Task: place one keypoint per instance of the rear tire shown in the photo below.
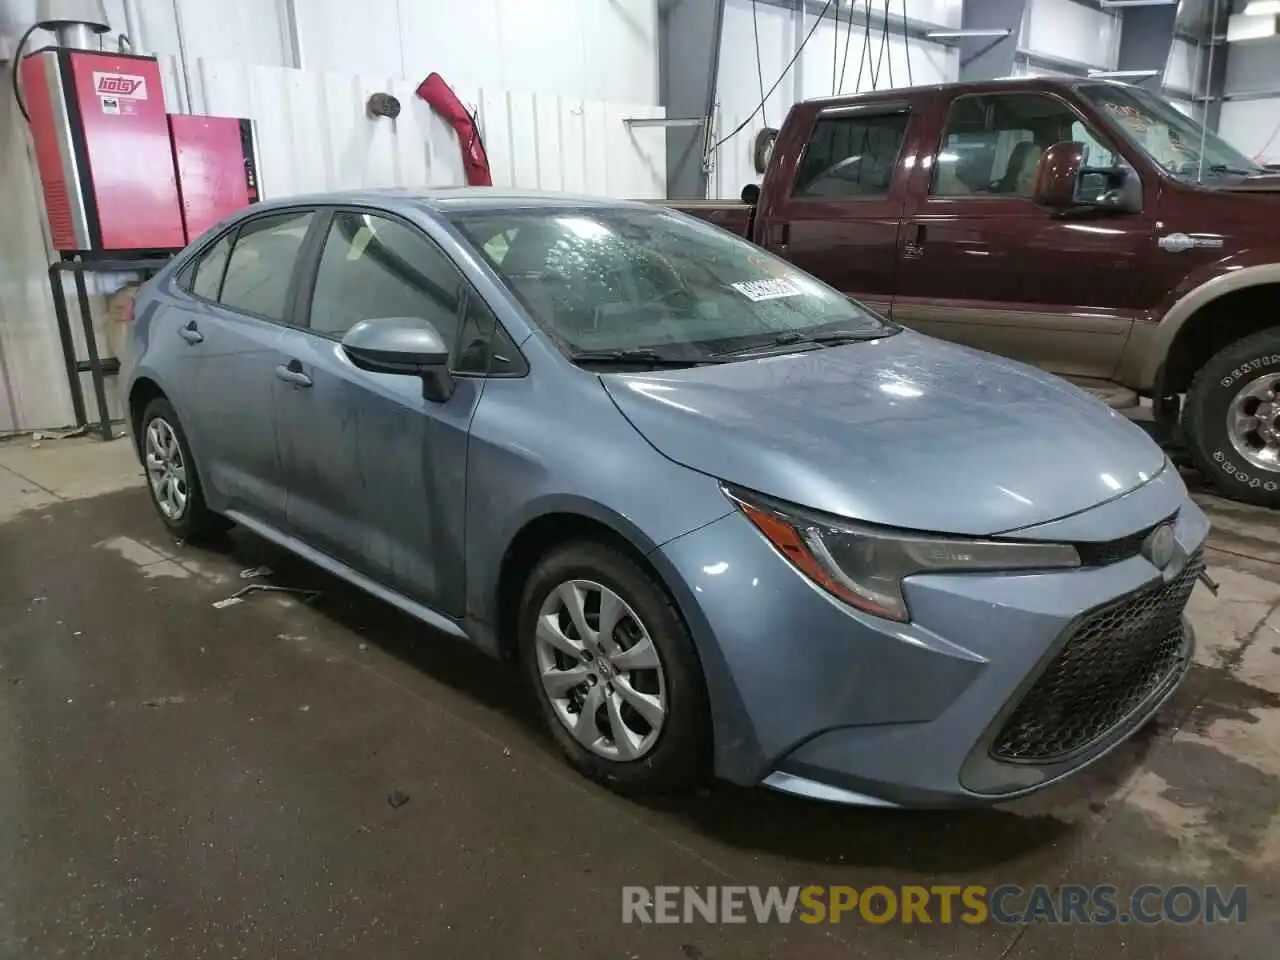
(646, 660)
(172, 479)
(1231, 422)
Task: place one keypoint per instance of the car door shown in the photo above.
(840, 221)
(982, 264)
(240, 291)
(376, 473)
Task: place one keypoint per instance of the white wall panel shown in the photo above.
(1071, 31)
(314, 135)
(1253, 127)
(817, 73)
(1182, 68)
(607, 48)
(1253, 66)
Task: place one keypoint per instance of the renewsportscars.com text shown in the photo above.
(1007, 904)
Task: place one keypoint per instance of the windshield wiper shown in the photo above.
(1237, 171)
(796, 338)
(629, 358)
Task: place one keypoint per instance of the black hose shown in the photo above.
(13, 71)
(777, 83)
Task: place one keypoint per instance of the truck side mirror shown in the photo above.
(1058, 175)
(1063, 182)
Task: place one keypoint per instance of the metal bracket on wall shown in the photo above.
(669, 122)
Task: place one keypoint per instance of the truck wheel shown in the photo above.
(1232, 419)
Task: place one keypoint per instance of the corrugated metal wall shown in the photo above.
(313, 136)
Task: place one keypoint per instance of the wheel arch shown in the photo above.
(1211, 316)
(142, 391)
(559, 521)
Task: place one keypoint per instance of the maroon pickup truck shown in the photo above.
(1083, 226)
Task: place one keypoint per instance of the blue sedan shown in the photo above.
(727, 521)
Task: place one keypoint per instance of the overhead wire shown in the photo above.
(848, 39)
(884, 39)
(755, 29)
(782, 76)
(906, 50)
(865, 59)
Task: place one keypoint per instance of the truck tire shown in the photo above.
(1231, 422)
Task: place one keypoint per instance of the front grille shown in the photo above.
(1114, 660)
(1113, 551)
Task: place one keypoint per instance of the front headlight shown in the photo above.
(864, 566)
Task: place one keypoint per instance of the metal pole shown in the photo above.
(1208, 79)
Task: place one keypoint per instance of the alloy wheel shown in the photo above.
(1253, 422)
(600, 670)
(166, 469)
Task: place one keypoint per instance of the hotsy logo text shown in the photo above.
(120, 85)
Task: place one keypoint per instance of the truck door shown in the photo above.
(840, 218)
(981, 264)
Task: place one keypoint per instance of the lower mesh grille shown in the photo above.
(1114, 660)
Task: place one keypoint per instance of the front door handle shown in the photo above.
(293, 374)
(190, 334)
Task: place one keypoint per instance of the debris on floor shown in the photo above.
(238, 597)
(397, 799)
(253, 573)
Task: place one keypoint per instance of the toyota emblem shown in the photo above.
(1160, 546)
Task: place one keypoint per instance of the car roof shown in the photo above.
(446, 200)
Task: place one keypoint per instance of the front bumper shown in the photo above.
(813, 697)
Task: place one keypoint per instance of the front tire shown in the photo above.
(172, 479)
(1232, 419)
(614, 671)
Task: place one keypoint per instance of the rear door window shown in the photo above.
(851, 156)
(262, 262)
(207, 276)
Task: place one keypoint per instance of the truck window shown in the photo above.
(991, 144)
(851, 156)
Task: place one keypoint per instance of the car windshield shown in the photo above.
(1168, 136)
(629, 280)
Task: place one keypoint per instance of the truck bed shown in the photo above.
(730, 215)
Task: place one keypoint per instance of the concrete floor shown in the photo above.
(184, 781)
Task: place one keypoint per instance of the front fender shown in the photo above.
(1149, 344)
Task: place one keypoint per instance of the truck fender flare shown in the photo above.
(1186, 306)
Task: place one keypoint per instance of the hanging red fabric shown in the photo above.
(446, 103)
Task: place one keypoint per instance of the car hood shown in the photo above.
(904, 431)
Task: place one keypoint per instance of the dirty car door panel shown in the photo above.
(376, 472)
(232, 337)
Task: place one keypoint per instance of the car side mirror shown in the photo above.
(1064, 183)
(402, 345)
(1058, 175)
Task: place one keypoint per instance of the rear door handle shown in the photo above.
(292, 374)
(190, 334)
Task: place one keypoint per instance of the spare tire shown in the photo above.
(762, 149)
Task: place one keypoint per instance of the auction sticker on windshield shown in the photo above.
(758, 290)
